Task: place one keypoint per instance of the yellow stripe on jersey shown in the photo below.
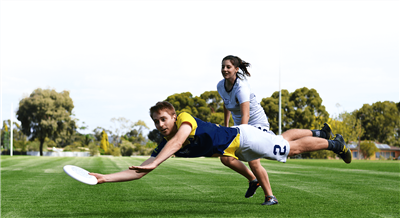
(230, 151)
(185, 117)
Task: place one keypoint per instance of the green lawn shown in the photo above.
(200, 187)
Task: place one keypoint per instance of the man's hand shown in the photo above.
(144, 169)
(100, 177)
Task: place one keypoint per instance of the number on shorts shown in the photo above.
(265, 130)
(278, 147)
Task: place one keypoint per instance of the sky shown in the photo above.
(118, 58)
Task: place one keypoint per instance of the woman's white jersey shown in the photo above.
(240, 93)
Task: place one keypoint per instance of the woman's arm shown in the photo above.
(245, 111)
(227, 116)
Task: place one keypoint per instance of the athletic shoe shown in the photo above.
(253, 185)
(344, 152)
(328, 131)
(270, 200)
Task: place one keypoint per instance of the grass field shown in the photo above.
(200, 187)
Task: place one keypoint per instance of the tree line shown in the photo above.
(47, 121)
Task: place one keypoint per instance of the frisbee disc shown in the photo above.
(80, 174)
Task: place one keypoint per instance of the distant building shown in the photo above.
(385, 151)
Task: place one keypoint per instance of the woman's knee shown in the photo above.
(254, 163)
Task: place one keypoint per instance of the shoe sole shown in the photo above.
(269, 204)
(251, 195)
(346, 154)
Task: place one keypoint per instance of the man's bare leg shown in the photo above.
(302, 140)
(294, 134)
(307, 144)
(238, 166)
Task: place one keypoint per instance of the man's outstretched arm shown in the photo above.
(172, 146)
(123, 176)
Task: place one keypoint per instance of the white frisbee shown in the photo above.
(80, 174)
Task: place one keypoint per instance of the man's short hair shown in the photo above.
(162, 105)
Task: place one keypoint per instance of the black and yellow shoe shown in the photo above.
(344, 152)
(328, 131)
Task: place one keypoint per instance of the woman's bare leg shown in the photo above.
(262, 176)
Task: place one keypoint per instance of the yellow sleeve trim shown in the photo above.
(185, 117)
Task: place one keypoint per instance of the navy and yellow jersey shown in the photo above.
(205, 139)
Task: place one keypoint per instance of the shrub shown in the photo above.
(116, 152)
(93, 149)
(126, 148)
(322, 154)
(35, 146)
(368, 149)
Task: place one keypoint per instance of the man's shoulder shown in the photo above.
(185, 117)
(184, 114)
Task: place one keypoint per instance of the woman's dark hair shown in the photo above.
(237, 62)
(162, 105)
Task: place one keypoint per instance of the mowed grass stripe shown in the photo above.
(200, 187)
(368, 190)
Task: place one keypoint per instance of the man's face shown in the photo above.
(164, 122)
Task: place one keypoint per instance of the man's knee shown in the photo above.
(227, 161)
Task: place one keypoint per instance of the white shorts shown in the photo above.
(255, 144)
(262, 127)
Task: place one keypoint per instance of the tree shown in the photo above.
(271, 109)
(136, 134)
(208, 107)
(381, 122)
(368, 149)
(218, 118)
(98, 131)
(185, 102)
(20, 141)
(309, 111)
(214, 101)
(348, 126)
(121, 126)
(397, 130)
(46, 113)
(322, 154)
(104, 144)
(5, 139)
(93, 149)
(126, 148)
(155, 136)
(216, 105)
(301, 109)
(87, 139)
